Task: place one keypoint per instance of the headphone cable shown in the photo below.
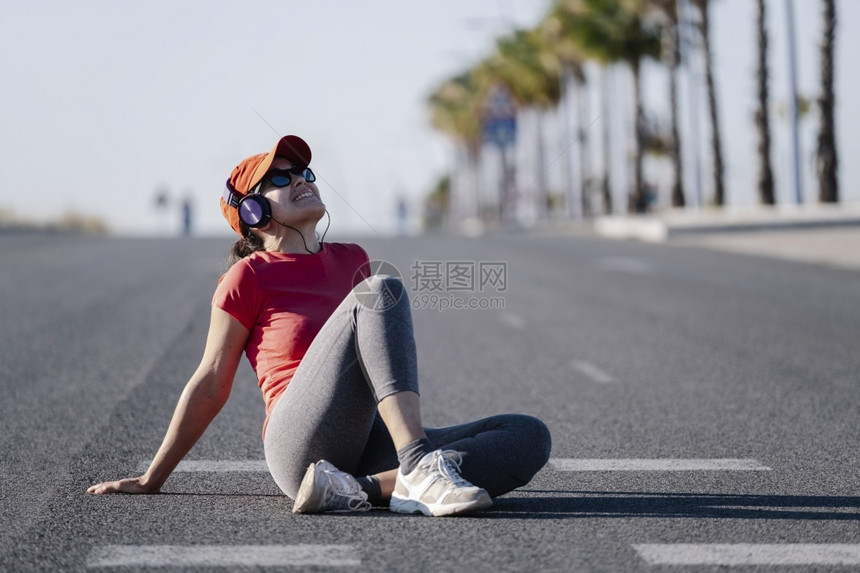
(303, 237)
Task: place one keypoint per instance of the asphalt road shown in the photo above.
(627, 351)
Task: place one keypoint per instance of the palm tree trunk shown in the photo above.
(636, 200)
(506, 207)
(670, 58)
(716, 144)
(475, 194)
(606, 188)
(542, 190)
(765, 180)
(456, 204)
(582, 133)
(826, 157)
(566, 137)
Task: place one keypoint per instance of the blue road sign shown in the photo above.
(500, 131)
(499, 117)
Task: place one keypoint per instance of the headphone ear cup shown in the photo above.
(255, 211)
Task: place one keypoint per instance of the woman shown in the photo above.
(334, 353)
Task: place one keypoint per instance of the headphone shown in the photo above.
(254, 210)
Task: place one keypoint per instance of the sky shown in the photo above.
(106, 102)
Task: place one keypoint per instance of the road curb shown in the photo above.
(664, 226)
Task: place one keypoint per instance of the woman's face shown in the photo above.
(295, 203)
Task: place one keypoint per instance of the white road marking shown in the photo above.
(559, 464)
(749, 554)
(223, 556)
(624, 265)
(591, 371)
(512, 319)
(216, 466)
(645, 465)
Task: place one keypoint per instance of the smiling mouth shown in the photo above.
(304, 195)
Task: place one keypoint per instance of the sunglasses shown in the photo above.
(283, 177)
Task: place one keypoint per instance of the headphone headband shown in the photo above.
(230, 195)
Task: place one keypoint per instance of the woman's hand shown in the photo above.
(128, 485)
(201, 400)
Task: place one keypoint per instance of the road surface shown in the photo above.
(703, 407)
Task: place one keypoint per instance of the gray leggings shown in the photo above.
(363, 353)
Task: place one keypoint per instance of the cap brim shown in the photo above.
(291, 147)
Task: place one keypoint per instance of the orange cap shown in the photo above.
(251, 170)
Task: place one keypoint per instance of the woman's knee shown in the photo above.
(384, 284)
(288, 482)
(533, 444)
(280, 460)
(381, 292)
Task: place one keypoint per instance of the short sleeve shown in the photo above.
(237, 294)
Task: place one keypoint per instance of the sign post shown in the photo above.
(499, 126)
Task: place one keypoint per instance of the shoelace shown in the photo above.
(449, 467)
(341, 487)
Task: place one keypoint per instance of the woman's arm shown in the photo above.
(204, 396)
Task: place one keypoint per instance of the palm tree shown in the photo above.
(524, 64)
(671, 58)
(609, 31)
(437, 205)
(571, 63)
(716, 144)
(574, 24)
(455, 110)
(826, 157)
(606, 184)
(665, 12)
(765, 180)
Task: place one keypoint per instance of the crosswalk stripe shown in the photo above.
(223, 556)
(216, 466)
(667, 464)
(558, 464)
(749, 554)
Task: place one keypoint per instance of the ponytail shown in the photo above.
(249, 243)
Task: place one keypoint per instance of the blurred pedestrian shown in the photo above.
(161, 203)
(187, 216)
(402, 216)
(333, 348)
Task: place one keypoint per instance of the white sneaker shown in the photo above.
(326, 488)
(435, 487)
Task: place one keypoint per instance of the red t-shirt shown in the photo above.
(284, 300)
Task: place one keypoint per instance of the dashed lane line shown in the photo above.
(749, 554)
(592, 372)
(218, 466)
(624, 265)
(666, 464)
(512, 319)
(224, 556)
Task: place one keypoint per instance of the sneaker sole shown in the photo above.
(411, 506)
(304, 502)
